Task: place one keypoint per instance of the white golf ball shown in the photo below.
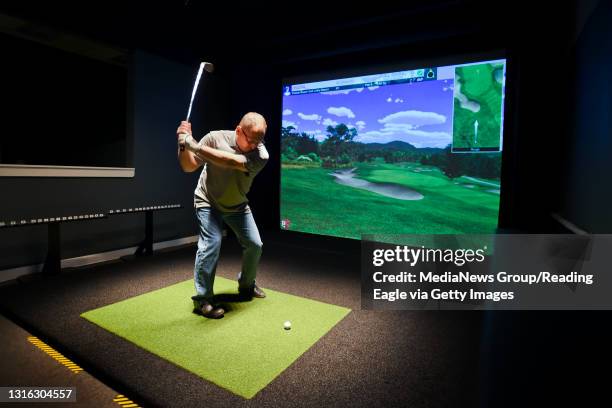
(287, 325)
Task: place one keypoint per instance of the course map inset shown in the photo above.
(478, 108)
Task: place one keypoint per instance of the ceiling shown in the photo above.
(242, 30)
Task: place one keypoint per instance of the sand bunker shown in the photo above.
(347, 178)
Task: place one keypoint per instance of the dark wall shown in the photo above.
(160, 91)
(588, 161)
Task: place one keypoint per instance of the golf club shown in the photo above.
(204, 66)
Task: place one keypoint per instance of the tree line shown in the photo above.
(339, 149)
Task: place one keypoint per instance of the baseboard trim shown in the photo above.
(14, 273)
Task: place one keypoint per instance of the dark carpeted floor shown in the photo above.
(371, 358)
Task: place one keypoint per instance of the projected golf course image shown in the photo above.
(313, 201)
(382, 160)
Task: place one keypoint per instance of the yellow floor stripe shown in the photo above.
(50, 351)
(120, 399)
(125, 402)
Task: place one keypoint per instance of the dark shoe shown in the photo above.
(256, 292)
(205, 309)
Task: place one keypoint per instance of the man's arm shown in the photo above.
(196, 153)
(216, 157)
(187, 160)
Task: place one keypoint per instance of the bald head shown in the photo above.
(254, 124)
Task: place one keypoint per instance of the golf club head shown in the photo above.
(209, 67)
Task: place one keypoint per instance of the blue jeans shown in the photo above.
(211, 221)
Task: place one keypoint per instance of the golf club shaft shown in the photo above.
(193, 92)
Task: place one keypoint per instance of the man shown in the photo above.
(231, 160)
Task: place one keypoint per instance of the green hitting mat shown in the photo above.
(242, 352)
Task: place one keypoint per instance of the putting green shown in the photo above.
(242, 352)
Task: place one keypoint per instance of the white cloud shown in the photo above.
(398, 127)
(287, 123)
(287, 112)
(360, 124)
(404, 126)
(313, 116)
(399, 100)
(414, 118)
(329, 122)
(340, 111)
(372, 88)
(389, 99)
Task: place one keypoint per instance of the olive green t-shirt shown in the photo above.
(223, 188)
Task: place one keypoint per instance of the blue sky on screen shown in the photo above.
(419, 113)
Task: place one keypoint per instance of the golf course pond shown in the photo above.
(347, 178)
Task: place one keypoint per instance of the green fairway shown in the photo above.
(242, 352)
(478, 106)
(314, 202)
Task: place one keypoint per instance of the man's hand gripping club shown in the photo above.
(185, 140)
